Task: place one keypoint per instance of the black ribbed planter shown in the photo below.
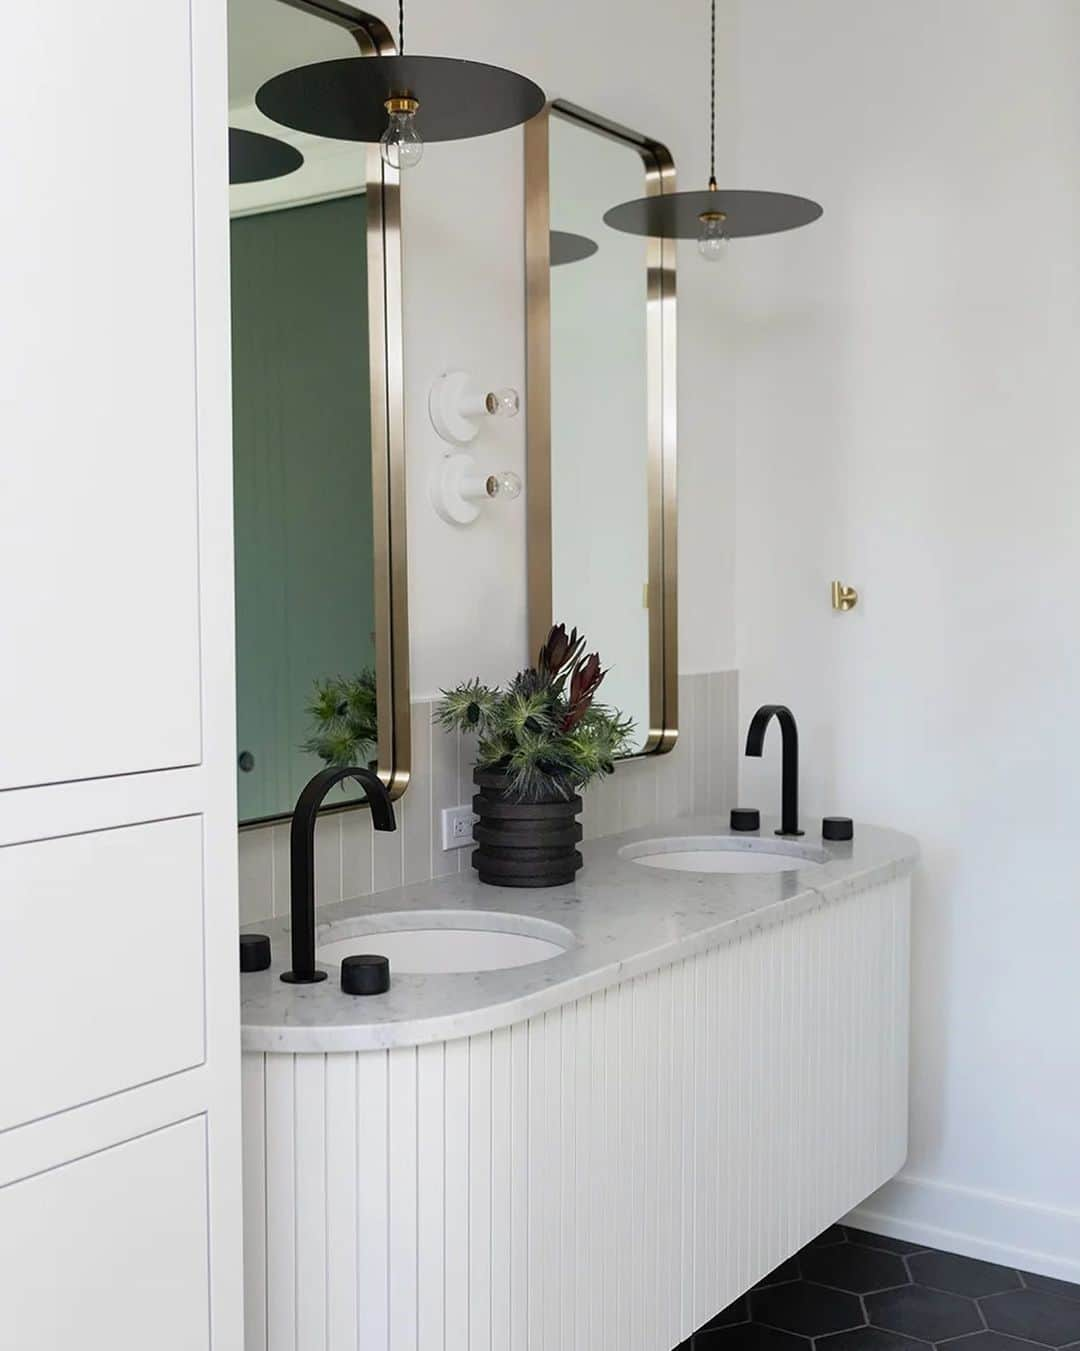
(523, 844)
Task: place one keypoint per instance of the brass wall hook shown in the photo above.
(844, 598)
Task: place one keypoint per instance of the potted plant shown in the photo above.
(344, 715)
(541, 741)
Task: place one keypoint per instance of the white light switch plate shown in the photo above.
(457, 826)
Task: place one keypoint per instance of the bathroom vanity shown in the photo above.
(587, 1116)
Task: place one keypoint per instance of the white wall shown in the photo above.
(465, 306)
(906, 419)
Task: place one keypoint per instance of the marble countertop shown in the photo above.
(621, 920)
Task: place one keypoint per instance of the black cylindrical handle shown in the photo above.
(254, 952)
(745, 818)
(837, 828)
(363, 974)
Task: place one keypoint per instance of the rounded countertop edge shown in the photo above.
(268, 1028)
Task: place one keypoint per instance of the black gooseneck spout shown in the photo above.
(755, 741)
(302, 851)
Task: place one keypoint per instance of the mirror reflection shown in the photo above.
(305, 610)
(599, 410)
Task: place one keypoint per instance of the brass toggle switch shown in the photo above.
(844, 598)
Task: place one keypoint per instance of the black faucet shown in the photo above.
(789, 790)
(302, 853)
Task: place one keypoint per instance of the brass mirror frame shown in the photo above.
(383, 207)
(659, 167)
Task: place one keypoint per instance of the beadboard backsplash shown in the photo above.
(353, 860)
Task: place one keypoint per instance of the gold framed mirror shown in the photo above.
(601, 352)
(319, 453)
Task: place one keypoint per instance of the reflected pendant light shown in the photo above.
(253, 157)
(570, 248)
(400, 101)
(713, 216)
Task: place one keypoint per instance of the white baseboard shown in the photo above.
(976, 1224)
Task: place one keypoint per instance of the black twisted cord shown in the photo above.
(712, 98)
(401, 27)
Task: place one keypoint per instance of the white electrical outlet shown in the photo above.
(457, 824)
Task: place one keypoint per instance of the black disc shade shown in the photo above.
(678, 214)
(254, 157)
(345, 99)
(570, 248)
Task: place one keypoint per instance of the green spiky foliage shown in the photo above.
(471, 706)
(344, 714)
(545, 730)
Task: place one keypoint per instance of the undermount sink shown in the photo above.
(423, 943)
(724, 854)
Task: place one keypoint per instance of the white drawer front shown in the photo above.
(109, 1253)
(101, 964)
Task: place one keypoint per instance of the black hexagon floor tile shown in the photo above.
(926, 1315)
(961, 1275)
(868, 1240)
(851, 1267)
(834, 1234)
(1051, 1285)
(786, 1271)
(819, 1301)
(1035, 1315)
(869, 1339)
(736, 1312)
(988, 1341)
(805, 1308)
(749, 1337)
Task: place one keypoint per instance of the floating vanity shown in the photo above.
(584, 1117)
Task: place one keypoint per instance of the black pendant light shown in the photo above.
(400, 101)
(713, 216)
(567, 247)
(253, 157)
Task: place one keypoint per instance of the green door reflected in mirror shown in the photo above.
(303, 494)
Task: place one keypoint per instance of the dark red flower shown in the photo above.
(583, 686)
(559, 651)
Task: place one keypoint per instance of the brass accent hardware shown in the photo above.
(712, 215)
(844, 598)
(401, 103)
(660, 402)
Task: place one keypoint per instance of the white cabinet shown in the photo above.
(111, 1250)
(103, 953)
(119, 1023)
(99, 565)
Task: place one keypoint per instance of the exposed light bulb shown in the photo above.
(400, 144)
(502, 402)
(712, 241)
(506, 485)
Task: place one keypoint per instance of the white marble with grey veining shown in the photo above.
(624, 920)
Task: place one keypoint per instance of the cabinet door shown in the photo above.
(119, 1008)
(98, 490)
(111, 1251)
(107, 927)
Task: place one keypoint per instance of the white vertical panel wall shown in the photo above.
(120, 1211)
(606, 1175)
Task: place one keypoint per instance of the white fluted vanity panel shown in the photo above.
(606, 1174)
